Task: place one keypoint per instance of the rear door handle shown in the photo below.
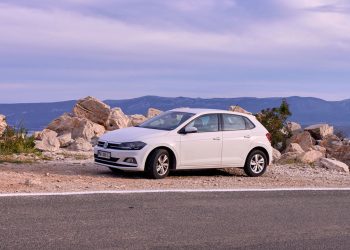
(247, 136)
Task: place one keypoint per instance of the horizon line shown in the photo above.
(174, 97)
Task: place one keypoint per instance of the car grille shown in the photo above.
(110, 162)
(110, 145)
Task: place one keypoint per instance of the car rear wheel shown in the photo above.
(256, 163)
(158, 164)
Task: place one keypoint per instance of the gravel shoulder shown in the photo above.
(83, 175)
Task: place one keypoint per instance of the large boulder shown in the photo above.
(92, 109)
(239, 109)
(3, 124)
(49, 141)
(294, 127)
(65, 140)
(80, 145)
(117, 119)
(294, 148)
(320, 131)
(334, 164)
(289, 158)
(77, 127)
(311, 156)
(340, 153)
(152, 112)
(304, 139)
(136, 120)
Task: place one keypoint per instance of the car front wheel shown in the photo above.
(256, 163)
(158, 164)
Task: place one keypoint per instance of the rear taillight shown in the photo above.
(269, 137)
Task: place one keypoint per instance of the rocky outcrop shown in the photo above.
(304, 139)
(92, 109)
(239, 109)
(3, 124)
(320, 131)
(334, 165)
(117, 120)
(152, 112)
(48, 141)
(90, 118)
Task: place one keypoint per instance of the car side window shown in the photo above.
(206, 123)
(248, 123)
(233, 122)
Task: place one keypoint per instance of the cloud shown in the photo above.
(135, 41)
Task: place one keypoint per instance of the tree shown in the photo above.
(275, 121)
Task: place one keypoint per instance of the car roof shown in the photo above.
(199, 111)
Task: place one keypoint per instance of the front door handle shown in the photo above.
(217, 139)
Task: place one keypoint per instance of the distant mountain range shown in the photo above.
(306, 110)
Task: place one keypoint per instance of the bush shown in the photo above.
(275, 121)
(16, 141)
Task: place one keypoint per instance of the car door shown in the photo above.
(236, 140)
(203, 148)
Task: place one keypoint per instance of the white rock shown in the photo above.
(334, 164)
(49, 141)
(239, 110)
(276, 155)
(152, 112)
(136, 120)
(65, 140)
(80, 144)
(304, 139)
(3, 124)
(92, 109)
(320, 131)
(311, 156)
(117, 119)
(294, 148)
(294, 127)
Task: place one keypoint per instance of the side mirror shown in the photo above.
(191, 130)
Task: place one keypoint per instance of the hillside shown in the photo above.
(306, 110)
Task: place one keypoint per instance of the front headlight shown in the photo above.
(137, 145)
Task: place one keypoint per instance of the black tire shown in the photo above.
(155, 167)
(255, 157)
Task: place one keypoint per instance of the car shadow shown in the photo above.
(178, 173)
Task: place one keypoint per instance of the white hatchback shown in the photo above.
(188, 139)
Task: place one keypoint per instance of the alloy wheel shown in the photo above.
(162, 164)
(257, 163)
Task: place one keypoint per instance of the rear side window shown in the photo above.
(236, 122)
(248, 123)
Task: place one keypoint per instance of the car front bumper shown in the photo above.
(119, 157)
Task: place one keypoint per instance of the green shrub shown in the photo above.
(275, 121)
(16, 140)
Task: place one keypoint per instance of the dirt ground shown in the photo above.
(80, 175)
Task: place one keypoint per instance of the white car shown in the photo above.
(188, 139)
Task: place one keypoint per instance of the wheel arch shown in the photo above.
(173, 159)
(261, 149)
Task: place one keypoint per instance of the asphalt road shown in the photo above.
(242, 220)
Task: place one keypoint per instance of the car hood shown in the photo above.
(132, 134)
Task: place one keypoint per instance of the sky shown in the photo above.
(116, 49)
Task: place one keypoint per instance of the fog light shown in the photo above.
(130, 160)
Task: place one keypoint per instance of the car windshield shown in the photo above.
(167, 121)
